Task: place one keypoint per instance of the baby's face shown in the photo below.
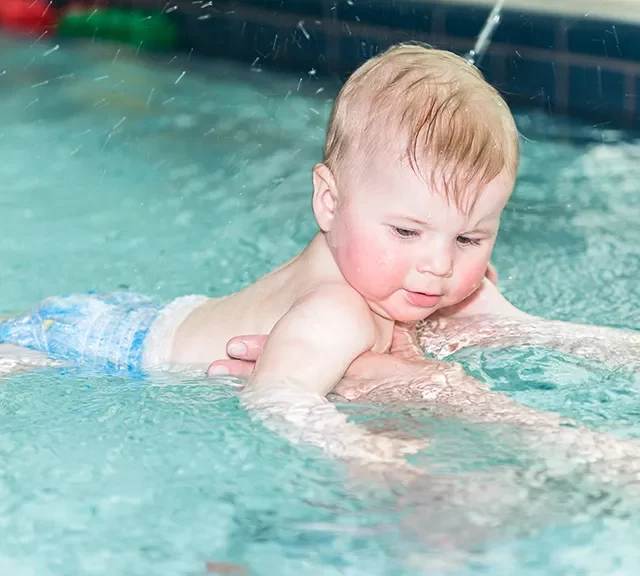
(406, 249)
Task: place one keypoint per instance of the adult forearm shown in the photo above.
(616, 347)
(445, 390)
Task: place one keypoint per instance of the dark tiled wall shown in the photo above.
(566, 65)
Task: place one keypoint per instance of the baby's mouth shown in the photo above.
(422, 299)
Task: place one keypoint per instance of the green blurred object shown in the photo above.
(112, 25)
(77, 24)
(150, 31)
(153, 32)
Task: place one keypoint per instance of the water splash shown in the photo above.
(475, 55)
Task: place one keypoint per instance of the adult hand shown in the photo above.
(367, 372)
(244, 351)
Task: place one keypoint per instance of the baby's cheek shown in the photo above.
(356, 258)
(375, 267)
(467, 280)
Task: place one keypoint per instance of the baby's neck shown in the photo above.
(317, 261)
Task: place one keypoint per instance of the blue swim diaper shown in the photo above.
(104, 331)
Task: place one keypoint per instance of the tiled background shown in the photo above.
(566, 64)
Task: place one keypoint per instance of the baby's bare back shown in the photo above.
(202, 338)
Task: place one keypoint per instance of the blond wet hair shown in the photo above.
(454, 129)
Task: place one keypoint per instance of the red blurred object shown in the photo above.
(27, 16)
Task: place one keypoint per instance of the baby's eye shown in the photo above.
(404, 232)
(466, 241)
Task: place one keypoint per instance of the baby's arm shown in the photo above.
(312, 346)
(305, 356)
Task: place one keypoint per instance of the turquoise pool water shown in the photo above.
(167, 177)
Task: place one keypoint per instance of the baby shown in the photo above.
(420, 159)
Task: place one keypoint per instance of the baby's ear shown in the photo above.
(325, 196)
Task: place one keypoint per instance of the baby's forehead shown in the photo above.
(397, 186)
(394, 166)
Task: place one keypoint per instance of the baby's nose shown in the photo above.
(437, 262)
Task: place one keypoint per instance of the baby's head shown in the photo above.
(420, 159)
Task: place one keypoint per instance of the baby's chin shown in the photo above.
(413, 318)
(409, 316)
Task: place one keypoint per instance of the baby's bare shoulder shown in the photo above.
(334, 295)
(337, 307)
